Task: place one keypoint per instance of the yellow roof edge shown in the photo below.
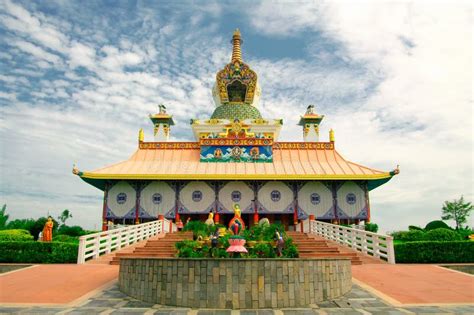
(235, 177)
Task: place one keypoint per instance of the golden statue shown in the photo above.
(236, 225)
(48, 230)
(210, 220)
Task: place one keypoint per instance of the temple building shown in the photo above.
(236, 158)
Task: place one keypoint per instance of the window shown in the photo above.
(156, 198)
(197, 196)
(351, 198)
(315, 199)
(121, 198)
(275, 195)
(236, 196)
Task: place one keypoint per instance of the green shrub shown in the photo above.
(38, 252)
(415, 228)
(435, 252)
(464, 233)
(66, 239)
(436, 225)
(23, 224)
(290, 250)
(442, 234)
(408, 236)
(371, 227)
(15, 235)
(71, 230)
(262, 250)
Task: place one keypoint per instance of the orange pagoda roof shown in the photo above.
(181, 161)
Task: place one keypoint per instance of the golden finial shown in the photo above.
(141, 136)
(331, 135)
(236, 41)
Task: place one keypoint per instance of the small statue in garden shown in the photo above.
(210, 220)
(215, 239)
(48, 230)
(236, 224)
(280, 243)
(264, 222)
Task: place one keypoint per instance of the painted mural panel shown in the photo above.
(121, 199)
(157, 198)
(316, 198)
(197, 196)
(351, 200)
(275, 197)
(230, 153)
(236, 192)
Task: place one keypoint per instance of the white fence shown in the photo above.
(377, 245)
(94, 245)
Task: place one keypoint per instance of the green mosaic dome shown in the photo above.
(236, 111)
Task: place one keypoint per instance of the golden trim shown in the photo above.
(237, 176)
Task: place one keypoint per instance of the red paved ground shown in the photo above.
(54, 284)
(417, 284)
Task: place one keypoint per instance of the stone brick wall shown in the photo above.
(234, 283)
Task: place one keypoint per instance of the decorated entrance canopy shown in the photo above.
(237, 144)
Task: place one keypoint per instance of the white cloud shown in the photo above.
(37, 52)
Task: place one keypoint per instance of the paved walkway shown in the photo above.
(358, 301)
(416, 284)
(54, 284)
(378, 289)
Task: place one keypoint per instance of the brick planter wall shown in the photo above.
(234, 283)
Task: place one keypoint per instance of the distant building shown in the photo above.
(236, 158)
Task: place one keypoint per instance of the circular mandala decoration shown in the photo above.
(315, 198)
(266, 142)
(236, 196)
(275, 195)
(197, 195)
(351, 198)
(156, 198)
(121, 198)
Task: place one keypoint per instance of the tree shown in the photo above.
(3, 217)
(66, 214)
(457, 210)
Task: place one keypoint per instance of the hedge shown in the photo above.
(17, 235)
(435, 252)
(38, 252)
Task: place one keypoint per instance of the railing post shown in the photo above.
(390, 250)
(97, 246)
(82, 250)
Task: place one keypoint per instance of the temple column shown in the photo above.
(216, 203)
(137, 205)
(176, 203)
(334, 196)
(104, 208)
(367, 202)
(295, 200)
(255, 207)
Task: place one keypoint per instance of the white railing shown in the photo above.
(91, 246)
(373, 244)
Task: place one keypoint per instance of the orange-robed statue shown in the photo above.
(48, 230)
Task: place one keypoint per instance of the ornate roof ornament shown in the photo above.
(236, 83)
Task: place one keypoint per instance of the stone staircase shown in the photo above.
(313, 246)
(155, 247)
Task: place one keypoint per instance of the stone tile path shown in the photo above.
(358, 301)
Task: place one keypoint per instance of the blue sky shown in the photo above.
(78, 79)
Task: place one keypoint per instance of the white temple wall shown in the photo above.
(345, 198)
(315, 198)
(121, 198)
(271, 189)
(231, 190)
(189, 194)
(157, 198)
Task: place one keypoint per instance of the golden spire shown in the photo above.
(236, 41)
(331, 135)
